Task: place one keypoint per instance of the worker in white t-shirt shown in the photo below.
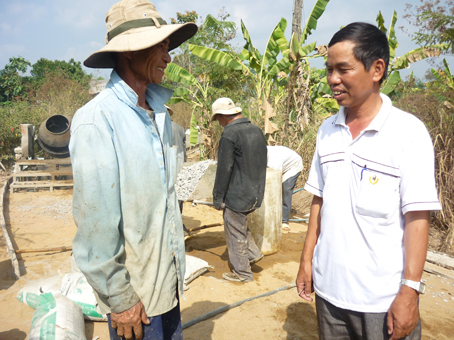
(290, 163)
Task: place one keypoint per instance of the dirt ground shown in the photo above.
(43, 219)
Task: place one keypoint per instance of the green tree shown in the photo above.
(71, 68)
(11, 79)
(434, 21)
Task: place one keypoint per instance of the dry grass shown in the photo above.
(434, 107)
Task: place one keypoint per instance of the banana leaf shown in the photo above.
(294, 48)
(417, 55)
(391, 83)
(435, 74)
(194, 131)
(180, 92)
(325, 106)
(180, 75)
(274, 44)
(381, 22)
(392, 39)
(175, 100)
(305, 50)
(218, 57)
(279, 36)
(316, 13)
(254, 56)
(447, 69)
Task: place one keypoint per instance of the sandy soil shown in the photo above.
(43, 219)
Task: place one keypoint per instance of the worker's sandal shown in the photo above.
(251, 262)
(235, 277)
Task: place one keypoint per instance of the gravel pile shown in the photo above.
(189, 177)
(58, 209)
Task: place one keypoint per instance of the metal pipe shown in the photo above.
(233, 305)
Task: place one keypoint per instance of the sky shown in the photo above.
(63, 29)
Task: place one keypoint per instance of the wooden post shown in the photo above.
(297, 15)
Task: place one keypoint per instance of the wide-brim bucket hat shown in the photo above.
(134, 25)
(224, 106)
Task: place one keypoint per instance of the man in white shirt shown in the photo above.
(290, 163)
(373, 182)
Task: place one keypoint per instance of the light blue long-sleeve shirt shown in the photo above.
(129, 242)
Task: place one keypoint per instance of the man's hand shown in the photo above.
(403, 315)
(304, 283)
(222, 207)
(130, 321)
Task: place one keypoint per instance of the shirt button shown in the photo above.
(160, 163)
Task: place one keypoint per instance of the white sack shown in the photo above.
(194, 268)
(57, 318)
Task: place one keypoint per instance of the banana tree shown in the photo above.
(404, 61)
(269, 75)
(195, 92)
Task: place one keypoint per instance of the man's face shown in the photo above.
(149, 64)
(222, 119)
(351, 84)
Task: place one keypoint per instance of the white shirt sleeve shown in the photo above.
(417, 187)
(315, 183)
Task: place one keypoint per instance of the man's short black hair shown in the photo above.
(371, 44)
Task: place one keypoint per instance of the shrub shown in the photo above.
(58, 94)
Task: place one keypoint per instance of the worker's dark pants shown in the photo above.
(166, 326)
(240, 243)
(287, 192)
(180, 204)
(335, 323)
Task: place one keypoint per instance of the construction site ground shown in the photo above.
(43, 219)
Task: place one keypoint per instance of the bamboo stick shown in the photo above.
(206, 226)
(43, 250)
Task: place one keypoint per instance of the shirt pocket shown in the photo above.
(378, 189)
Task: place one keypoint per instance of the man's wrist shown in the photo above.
(417, 286)
(123, 301)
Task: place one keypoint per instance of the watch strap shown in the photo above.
(418, 286)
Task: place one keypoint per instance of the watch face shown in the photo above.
(422, 288)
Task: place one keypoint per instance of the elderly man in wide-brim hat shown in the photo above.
(129, 242)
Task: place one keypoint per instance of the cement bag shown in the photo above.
(194, 268)
(31, 292)
(57, 318)
(75, 287)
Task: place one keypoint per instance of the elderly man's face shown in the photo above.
(149, 64)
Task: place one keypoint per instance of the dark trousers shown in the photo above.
(287, 193)
(166, 326)
(335, 323)
(240, 243)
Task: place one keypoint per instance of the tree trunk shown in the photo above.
(297, 15)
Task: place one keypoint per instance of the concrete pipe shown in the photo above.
(54, 134)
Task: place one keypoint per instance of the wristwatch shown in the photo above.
(420, 287)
